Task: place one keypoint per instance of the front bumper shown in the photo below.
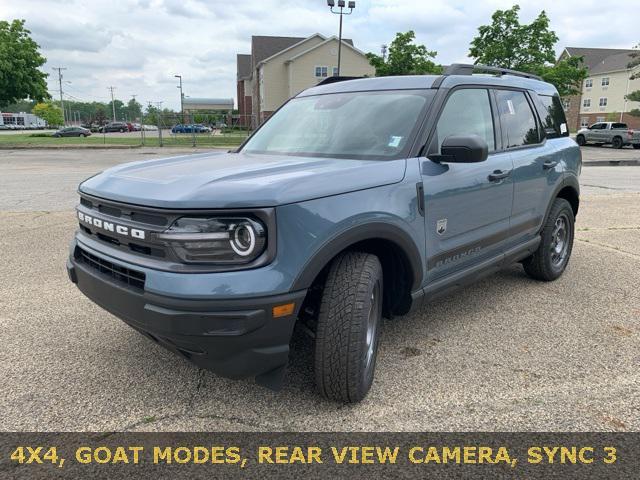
(235, 338)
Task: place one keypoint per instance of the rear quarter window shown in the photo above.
(554, 122)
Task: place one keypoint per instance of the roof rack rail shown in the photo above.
(468, 69)
(335, 79)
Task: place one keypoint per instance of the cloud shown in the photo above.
(139, 45)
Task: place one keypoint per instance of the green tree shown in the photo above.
(20, 62)
(635, 95)
(507, 43)
(100, 115)
(134, 110)
(405, 58)
(50, 113)
(566, 74)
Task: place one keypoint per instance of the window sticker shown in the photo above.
(394, 141)
(563, 128)
(512, 111)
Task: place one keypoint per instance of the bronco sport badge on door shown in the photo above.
(441, 226)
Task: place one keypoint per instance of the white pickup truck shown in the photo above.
(616, 133)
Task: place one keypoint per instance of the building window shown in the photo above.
(335, 71)
(599, 119)
(588, 83)
(321, 72)
(605, 81)
(584, 122)
(586, 103)
(603, 102)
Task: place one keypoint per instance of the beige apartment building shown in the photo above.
(280, 67)
(604, 91)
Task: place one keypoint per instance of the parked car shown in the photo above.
(190, 128)
(114, 127)
(405, 188)
(72, 132)
(135, 127)
(149, 128)
(617, 134)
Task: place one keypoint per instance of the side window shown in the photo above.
(517, 120)
(554, 122)
(467, 112)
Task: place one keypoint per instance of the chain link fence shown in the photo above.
(175, 129)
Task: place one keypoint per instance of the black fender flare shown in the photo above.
(366, 231)
(567, 181)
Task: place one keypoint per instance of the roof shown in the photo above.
(243, 62)
(324, 42)
(423, 82)
(601, 60)
(263, 47)
(207, 101)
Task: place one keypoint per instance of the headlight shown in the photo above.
(222, 240)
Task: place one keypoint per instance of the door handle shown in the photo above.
(498, 175)
(549, 164)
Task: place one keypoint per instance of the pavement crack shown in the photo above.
(609, 247)
(199, 386)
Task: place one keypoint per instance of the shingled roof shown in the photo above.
(263, 47)
(601, 60)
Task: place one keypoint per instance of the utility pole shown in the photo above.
(384, 52)
(59, 69)
(113, 104)
(133, 97)
(181, 97)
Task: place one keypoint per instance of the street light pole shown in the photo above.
(341, 6)
(181, 97)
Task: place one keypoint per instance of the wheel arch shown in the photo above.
(398, 253)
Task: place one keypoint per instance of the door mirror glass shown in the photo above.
(462, 149)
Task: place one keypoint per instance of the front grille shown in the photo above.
(127, 276)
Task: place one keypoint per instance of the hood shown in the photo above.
(238, 180)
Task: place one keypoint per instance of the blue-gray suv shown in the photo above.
(357, 200)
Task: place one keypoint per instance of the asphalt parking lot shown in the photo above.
(506, 354)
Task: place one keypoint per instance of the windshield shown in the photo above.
(358, 125)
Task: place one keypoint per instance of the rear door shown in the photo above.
(537, 168)
(467, 205)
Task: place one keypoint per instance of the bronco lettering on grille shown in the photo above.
(111, 227)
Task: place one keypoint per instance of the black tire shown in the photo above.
(636, 146)
(617, 142)
(581, 140)
(122, 130)
(348, 329)
(82, 135)
(548, 263)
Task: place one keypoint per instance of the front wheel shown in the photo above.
(636, 146)
(617, 142)
(82, 135)
(581, 140)
(552, 256)
(348, 328)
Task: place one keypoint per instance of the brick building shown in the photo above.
(603, 96)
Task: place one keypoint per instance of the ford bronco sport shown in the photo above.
(357, 200)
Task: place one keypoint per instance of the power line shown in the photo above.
(60, 69)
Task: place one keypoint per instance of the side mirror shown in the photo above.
(462, 149)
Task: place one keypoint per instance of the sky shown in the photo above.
(137, 46)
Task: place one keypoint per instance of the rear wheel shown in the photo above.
(122, 130)
(554, 251)
(581, 140)
(348, 328)
(636, 146)
(617, 142)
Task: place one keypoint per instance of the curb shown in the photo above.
(612, 163)
(110, 147)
